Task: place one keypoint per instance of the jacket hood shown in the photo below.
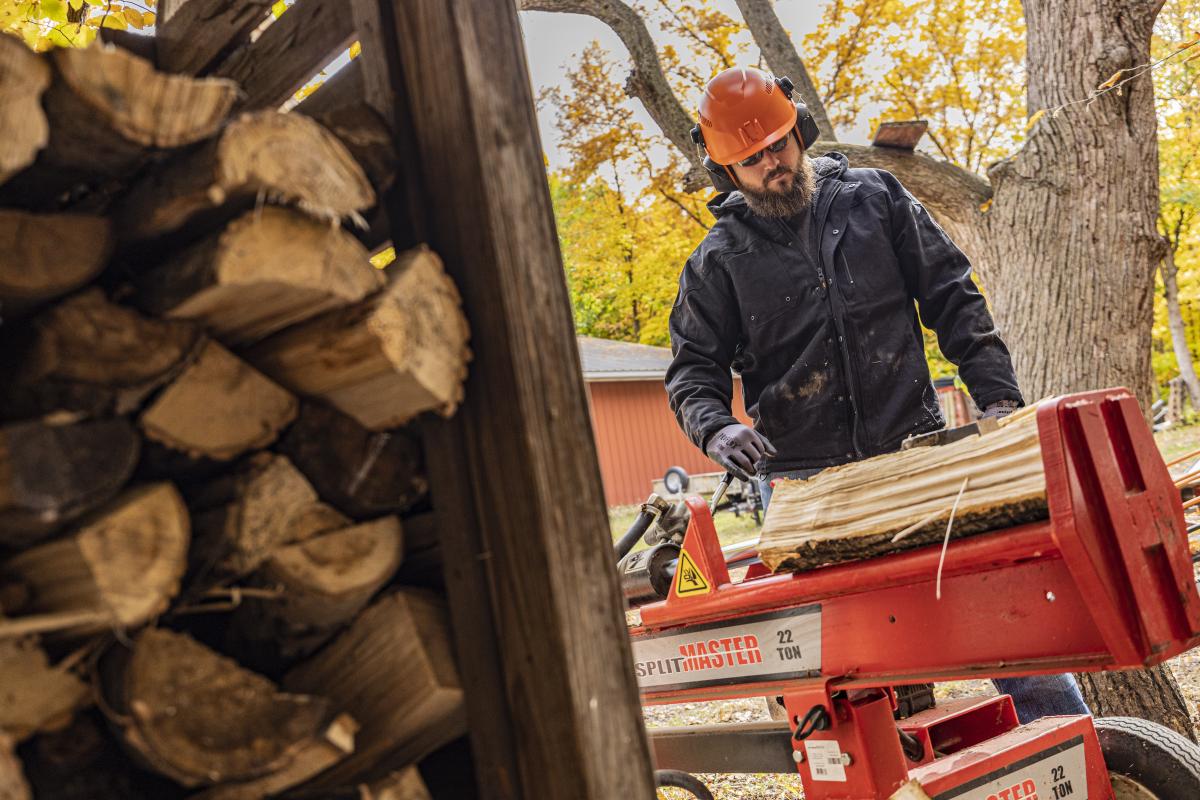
(830, 165)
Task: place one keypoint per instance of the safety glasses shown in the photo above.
(774, 147)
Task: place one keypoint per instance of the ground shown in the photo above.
(1173, 444)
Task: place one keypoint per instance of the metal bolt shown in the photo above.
(835, 231)
(798, 756)
(1050, 596)
(846, 760)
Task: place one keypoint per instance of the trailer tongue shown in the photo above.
(1105, 583)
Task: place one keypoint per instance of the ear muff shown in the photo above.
(719, 175)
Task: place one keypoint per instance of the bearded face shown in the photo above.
(786, 190)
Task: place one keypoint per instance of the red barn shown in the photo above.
(637, 437)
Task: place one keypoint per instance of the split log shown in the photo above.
(321, 584)
(218, 408)
(857, 511)
(35, 696)
(24, 76)
(119, 570)
(51, 474)
(200, 719)
(393, 670)
(12, 778)
(193, 34)
(403, 785)
(109, 111)
(366, 135)
(383, 361)
(365, 474)
(282, 157)
(267, 270)
(43, 256)
(242, 518)
(91, 356)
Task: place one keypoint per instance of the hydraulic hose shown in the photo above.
(682, 780)
(636, 531)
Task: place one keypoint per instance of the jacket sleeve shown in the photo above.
(939, 277)
(705, 331)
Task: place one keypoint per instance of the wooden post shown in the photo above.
(525, 541)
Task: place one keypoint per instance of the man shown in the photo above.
(809, 286)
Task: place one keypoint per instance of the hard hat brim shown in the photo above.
(768, 140)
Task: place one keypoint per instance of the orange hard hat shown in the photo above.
(743, 110)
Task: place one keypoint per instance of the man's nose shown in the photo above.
(769, 160)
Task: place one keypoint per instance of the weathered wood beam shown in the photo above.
(306, 38)
(510, 569)
(193, 34)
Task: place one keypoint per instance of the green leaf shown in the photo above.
(55, 10)
(278, 8)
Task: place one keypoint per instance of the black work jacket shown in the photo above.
(829, 348)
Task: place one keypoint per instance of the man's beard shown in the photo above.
(784, 202)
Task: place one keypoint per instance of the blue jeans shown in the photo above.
(1035, 697)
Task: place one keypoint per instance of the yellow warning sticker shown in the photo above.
(689, 580)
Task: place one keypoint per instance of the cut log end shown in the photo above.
(218, 408)
(43, 256)
(12, 779)
(24, 76)
(201, 719)
(36, 696)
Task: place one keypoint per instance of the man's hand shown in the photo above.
(738, 448)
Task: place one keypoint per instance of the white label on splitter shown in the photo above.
(1058, 773)
(825, 761)
(765, 647)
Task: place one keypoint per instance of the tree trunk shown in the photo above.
(1072, 242)
(1183, 355)
(779, 51)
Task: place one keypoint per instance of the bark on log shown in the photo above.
(386, 360)
(393, 670)
(218, 408)
(365, 474)
(321, 584)
(366, 135)
(35, 696)
(24, 76)
(109, 111)
(244, 517)
(856, 511)
(90, 356)
(283, 157)
(119, 570)
(12, 778)
(200, 719)
(43, 256)
(52, 474)
(1147, 693)
(268, 269)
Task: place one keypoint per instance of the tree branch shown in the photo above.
(783, 59)
(646, 82)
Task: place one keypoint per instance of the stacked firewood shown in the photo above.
(209, 482)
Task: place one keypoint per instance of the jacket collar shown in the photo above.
(827, 168)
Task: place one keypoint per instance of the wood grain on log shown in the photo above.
(289, 52)
(365, 474)
(109, 112)
(853, 512)
(321, 584)
(51, 474)
(218, 408)
(385, 360)
(24, 76)
(245, 516)
(266, 270)
(43, 256)
(199, 718)
(91, 356)
(36, 696)
(393, 670)
(283, 157)
(12, 778)
(193, 34)
(403, 785)
(120, 569)
(366, 135)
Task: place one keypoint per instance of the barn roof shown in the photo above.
(607, 360)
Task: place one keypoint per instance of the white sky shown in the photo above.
(553, 42)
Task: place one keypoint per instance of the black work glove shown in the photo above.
(738, 448)
(1000, 409)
